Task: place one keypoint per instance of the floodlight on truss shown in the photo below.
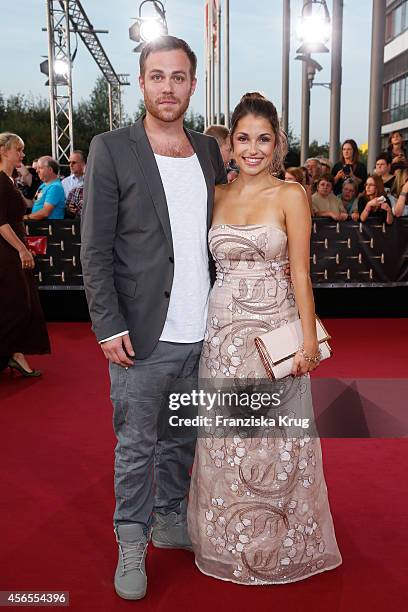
(146, 29)
(61, 69)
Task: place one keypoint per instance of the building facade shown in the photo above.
(395, 91)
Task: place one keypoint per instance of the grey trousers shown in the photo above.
(151, 474)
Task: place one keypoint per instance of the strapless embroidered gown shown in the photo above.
(258, 509)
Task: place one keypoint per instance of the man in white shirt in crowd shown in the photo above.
(76, 178)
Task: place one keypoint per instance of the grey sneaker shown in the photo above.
(130, 575)
(170, 530)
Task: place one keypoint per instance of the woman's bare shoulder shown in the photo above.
(221, 191)
(292, 187)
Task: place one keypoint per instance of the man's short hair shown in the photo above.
(219, 132)
(326, 177)
(51, 163)
(168, 43)
(81, 154)
(315, 159)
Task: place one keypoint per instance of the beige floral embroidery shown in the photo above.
(259, 498)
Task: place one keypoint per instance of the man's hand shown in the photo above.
(114, 350)
(72, 208)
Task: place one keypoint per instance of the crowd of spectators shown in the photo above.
(344, 191)
(47, 194)
(347, 191)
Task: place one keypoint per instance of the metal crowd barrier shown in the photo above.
(343, 254)
(354, 254)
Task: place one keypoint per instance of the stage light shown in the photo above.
(60, 68)
(151, 29)
(314, 28)
(146, 29)
(60, 71)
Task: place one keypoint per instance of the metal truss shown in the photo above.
(115, 106)
(60, 84)
(64, 17)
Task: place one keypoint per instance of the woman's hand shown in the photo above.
(339, 175)
(398, 158)
(372, 204)
(301, 365)
(27, 260)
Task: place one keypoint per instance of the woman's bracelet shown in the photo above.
(310, 358)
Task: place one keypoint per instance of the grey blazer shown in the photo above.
(126, 243)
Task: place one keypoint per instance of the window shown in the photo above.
(398, 99)
(397, 21)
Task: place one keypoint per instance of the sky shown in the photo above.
(255, 55)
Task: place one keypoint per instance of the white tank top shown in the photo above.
(186, 194)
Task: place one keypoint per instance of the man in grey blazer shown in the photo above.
(148, 202)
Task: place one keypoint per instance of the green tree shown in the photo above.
(194, 121)
(293, 155)
(91, 116)
(29, 117)
(2, 107)
(317, 150)
(141, 109)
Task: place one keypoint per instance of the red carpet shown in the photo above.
(57, 491)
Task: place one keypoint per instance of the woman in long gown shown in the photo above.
(258, 509)
(22, 325)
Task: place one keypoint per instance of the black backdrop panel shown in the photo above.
(344, 254)
(349, 254)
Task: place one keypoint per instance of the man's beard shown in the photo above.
(168, 114)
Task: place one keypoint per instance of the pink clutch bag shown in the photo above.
(278, 347)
